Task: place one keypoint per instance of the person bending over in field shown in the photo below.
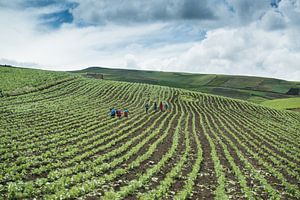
(161, 106)
(169, 107)
(166, 106)
(112, 112)
(155, 107)
(126, 112)
(147, 107)
(119, 113)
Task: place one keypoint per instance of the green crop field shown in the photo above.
(15, 81)
(59, 142)
(289, 103)
(253, 89)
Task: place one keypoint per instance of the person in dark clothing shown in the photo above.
(155, 106)
(166, 106)
(169, 105)
(147, 107)
(126, 112)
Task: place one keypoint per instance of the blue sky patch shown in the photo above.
(173, 34)
(43, 3)
(55, 20)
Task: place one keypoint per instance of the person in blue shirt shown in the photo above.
(112, 112)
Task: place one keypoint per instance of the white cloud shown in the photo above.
(246, 51)
(126, 12)
(131, 62)
(69, 47)
(17, 63)
(273, 21)
(249, 10)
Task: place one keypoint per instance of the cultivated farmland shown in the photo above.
(59, 142)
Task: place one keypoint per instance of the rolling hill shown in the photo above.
(254, 89)
(16, 80)
(60, 142)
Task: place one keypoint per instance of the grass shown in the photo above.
(283, 104)
(257, 99)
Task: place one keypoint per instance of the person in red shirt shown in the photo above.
(119, 113)
(161, 106)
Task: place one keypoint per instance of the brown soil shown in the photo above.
(272, 180)
(187, 168)
(132, 174)
(206, 182)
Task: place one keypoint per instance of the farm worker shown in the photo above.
(112, 112)
(147, 107)
(166, 106)
(161, 106)
(119, 113)
(155, 106)
(126, 112)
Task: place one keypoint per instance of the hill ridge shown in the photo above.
(250, 88)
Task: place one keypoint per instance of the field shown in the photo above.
(289, 103)
(59, 142)
(16, 81)
(253, 89)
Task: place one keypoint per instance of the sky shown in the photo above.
(244, 37)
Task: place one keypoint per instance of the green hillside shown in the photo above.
(283, 104)
(255, 89)
(60, 142)
(22, 80)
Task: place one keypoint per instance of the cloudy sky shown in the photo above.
(248, 37)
